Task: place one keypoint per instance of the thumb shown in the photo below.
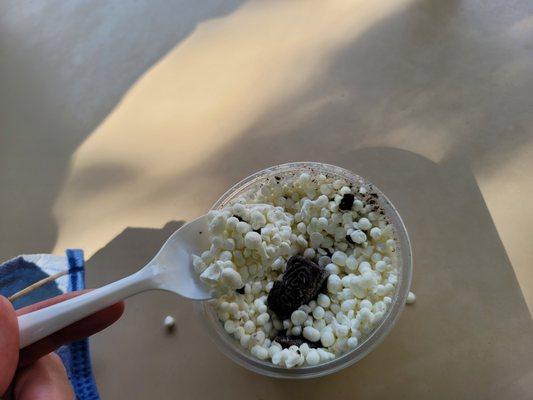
(9, 343)
(45, 379)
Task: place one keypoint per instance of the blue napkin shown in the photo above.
(22, 271)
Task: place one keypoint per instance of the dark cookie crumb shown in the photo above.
(301, 283)
(346, 202)
(287, 341)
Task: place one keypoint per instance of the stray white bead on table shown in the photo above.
(169, 322)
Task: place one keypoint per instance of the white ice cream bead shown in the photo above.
(231, 278)
(358, 236)
(169, 322)
(364, 266)
(333, 269)
(311, 334)
(260, 352)
(249, 326)
(309, 253)
(411, 298)
(341, 331)
(325, 355)
(262, 319)
(229, 326)
(252, 240)
(292, 359)
(348, 305)
(375, 233)
(318, 312)
(339, 258)
(364, 224)
(351, 264)
(296, 330)
(327, 338)
(334, 283)
(298, 317)
(352, 342)
(323, 300)
(312, 358)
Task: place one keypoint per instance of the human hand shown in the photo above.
(33, 373)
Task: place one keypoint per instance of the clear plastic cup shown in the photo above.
(231, 347)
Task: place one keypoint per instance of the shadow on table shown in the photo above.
(64, 67)
(470, 315)
(127, 253)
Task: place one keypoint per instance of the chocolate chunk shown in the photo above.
(301, 283)
(346, 202)
(349, 239)
(240, 290)
(287, 341)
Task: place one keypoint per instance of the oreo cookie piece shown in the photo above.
(287, 341)
(301, 283)
(346, 202)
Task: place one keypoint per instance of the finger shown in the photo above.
(85, 327)
(43, 380)
(9, 343)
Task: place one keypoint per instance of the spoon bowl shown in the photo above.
(172, 267)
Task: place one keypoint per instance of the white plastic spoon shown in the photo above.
(171, 269)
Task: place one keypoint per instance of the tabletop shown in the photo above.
(120, 121)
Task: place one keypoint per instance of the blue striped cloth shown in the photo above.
(22, 271)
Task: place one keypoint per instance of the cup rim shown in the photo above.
(230, 346)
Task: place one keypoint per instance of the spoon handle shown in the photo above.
(38, 324)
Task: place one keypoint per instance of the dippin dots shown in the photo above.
(334, 224)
